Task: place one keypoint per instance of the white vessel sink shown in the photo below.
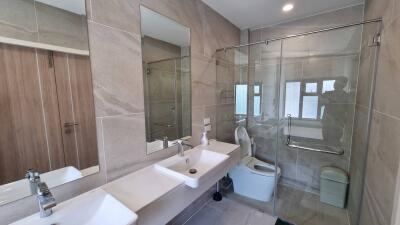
(96, 207)
(21, 188)
(201, 160)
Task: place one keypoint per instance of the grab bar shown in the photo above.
(341, 152)
(289, 144)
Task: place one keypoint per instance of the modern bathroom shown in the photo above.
(199, 112)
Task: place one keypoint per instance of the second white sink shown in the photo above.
(196, 164)
(96, 207)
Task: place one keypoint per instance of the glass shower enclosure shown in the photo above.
(306, 100)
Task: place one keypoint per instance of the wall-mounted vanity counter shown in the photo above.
(156, 196)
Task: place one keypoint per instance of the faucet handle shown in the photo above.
(45, 199)
(43, 189)
(32, 175)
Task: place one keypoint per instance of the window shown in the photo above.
(241, 99)
(257, 99)
(302, 98)
(327, 85)
(310, 107)
(292, 98)
(311, 87)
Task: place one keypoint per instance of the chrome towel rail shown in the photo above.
(292, 145)
(339, 152)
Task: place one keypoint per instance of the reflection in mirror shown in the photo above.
(48, 130)
(46, 24)
(166, 75)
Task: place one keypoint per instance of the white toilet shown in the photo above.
(251, 177)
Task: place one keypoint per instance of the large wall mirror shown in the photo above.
(167, 82)
(48, 126)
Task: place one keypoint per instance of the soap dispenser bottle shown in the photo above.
(204, 138)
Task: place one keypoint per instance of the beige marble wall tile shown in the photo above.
(124, 143)
(382, 163)
(226, 122)
(117, 71)
(88, 4)
(218, 32)
(123, 15)
(388, 80)
(381, 8)
(287, 162)
(61, 28)
(309, 166)
(18, 19)
(211, 112)
(196, 134)
(203, 81)
(368, 210)
(197, 115)
(383, 157)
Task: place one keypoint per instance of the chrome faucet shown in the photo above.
(165, 141)
(181, 149)
(34, 179)
(45, 200)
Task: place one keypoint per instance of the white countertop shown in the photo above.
(142, 187)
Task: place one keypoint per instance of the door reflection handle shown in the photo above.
(70, 124)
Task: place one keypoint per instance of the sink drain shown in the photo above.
(192, 171)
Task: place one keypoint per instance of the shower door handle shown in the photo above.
(288, 138)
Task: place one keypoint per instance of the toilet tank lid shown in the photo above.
(334, 174)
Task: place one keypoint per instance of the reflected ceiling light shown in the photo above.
(288, 7)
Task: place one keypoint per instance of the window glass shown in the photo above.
(257, 105)
(311, 87)
(292, 100)
(327, 85)
(241, 99)
(257, 89)
(310, 107)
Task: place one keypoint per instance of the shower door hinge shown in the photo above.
(376, 40)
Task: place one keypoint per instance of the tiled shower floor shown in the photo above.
(299, 207)
(229, 212)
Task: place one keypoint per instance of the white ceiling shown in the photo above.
(162, 28)
(74, 6)
(261, 13)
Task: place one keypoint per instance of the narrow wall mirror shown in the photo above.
(48, 126)
(166, 77)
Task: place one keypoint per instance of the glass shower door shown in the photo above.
(162, 93)
(248, 96)
(317, 106)
(263, 109)
(322, 83)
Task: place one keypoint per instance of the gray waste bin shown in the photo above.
(334, 182)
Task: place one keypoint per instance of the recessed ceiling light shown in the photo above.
(287, 7)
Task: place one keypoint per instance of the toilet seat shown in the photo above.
(259, 167)
(251, 163)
